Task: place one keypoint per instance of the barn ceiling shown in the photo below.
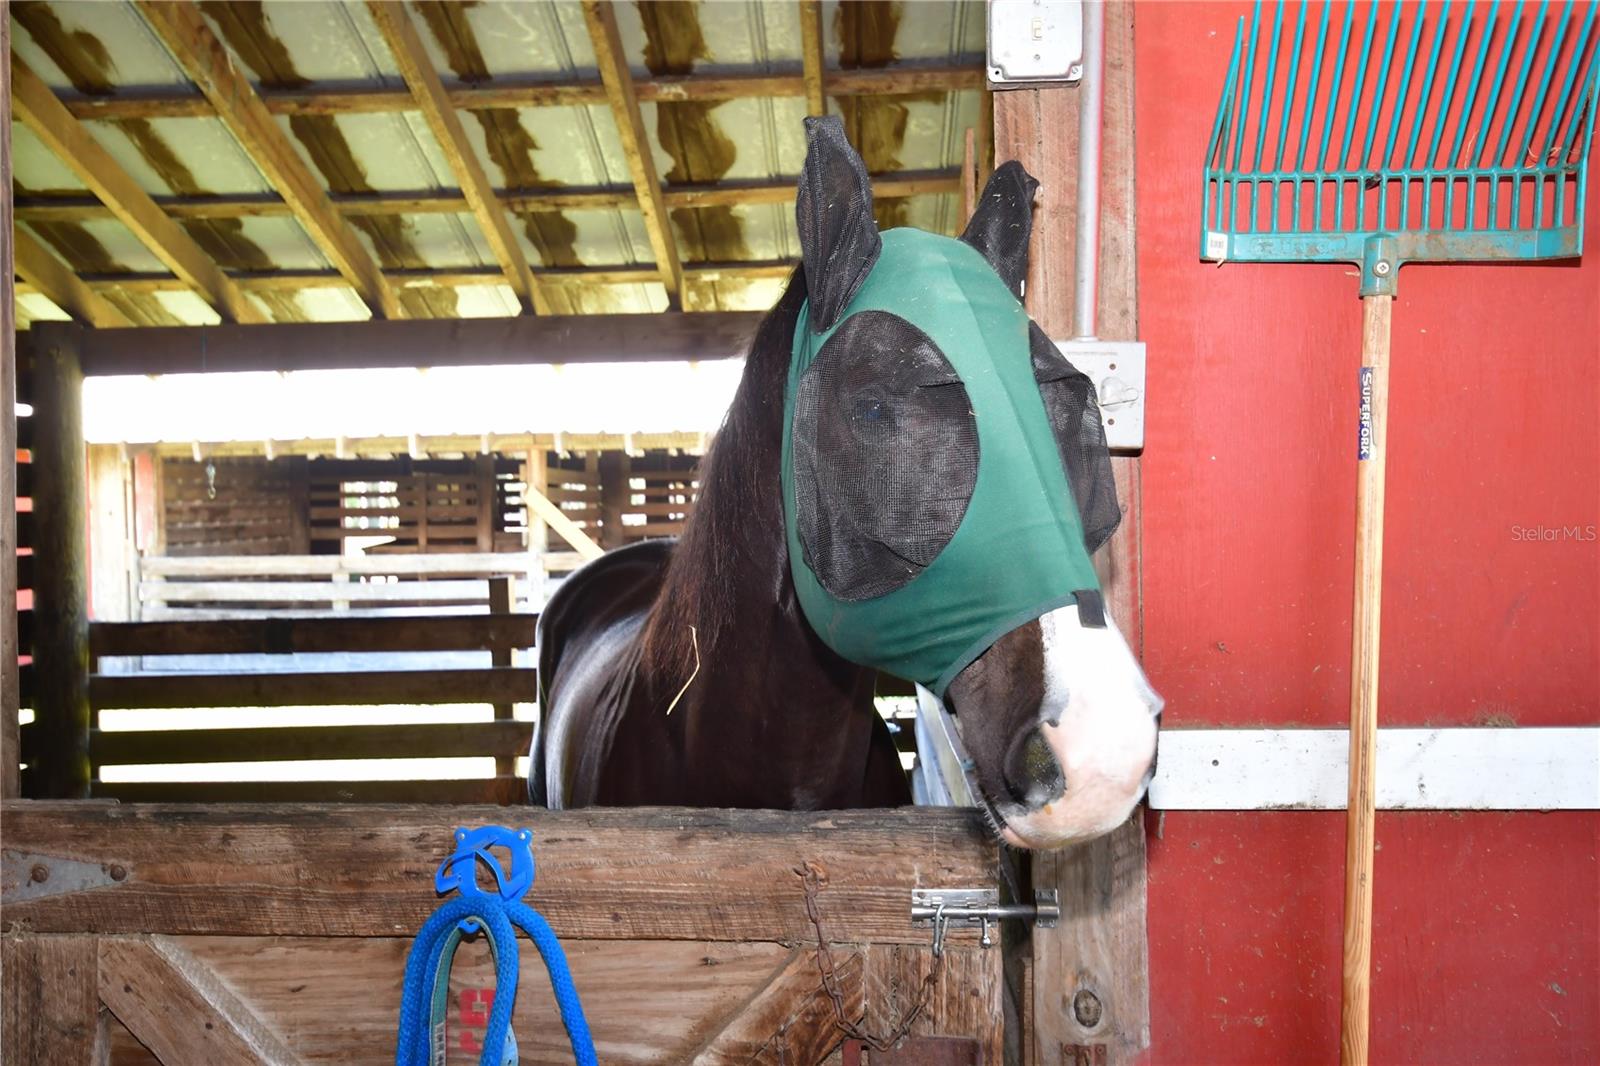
(184, 163)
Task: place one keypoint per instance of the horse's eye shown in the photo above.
(872, 410)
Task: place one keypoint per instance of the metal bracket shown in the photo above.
(1034, 42)
(943, 907)
(1117, 370)
(25, 877)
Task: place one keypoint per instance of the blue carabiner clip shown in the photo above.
(459, 872)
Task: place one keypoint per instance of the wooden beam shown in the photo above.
(419, 343)
(1100, 947)
(179, 1008)
(361, 688)
(919, 78)
(811, 57)
(249, 864)
(292, 280)
(518, 201)
(10, 645)
(498, 791)
(251, 636)
(564, 527)
(401, 36)
(61, 592)
(37, 106)
(624, 101)
(209, 64)
(49, 276)
(502, 739)
(50, 1003)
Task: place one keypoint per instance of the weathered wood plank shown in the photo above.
(336, 1000)
(61, 596)
(1107, 943)
(811, 58)
(489, 564)
(10, 643)
(181, 1010)
(434, 740)
(495, 791)
(429, 93)
(966, 1001)
(432, 202)
(791, 1019)
(652, 873)
(39, 267)
(49, 1006)
(510, 93)
(210, 65)
(624, 101)
(36, 104)
(423, 342)
(288, 636)
(493, 684)
(446, 591)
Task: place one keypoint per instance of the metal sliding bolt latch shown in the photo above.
(944, 907)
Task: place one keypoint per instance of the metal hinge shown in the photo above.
(943, 907)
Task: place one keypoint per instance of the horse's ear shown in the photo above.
(838, 235)
(1003, 222)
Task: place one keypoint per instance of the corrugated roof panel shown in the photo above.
(521, 40)
(330, 41)
(99, 239)
(188, 308)
(180, 156)
(283, 243)
(32, 307)
(386, 152)
(36, 168)
(321, 304)
(109, 41)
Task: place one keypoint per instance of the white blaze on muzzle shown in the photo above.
(1099, 721)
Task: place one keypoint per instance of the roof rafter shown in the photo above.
(36, 104)
(811, 56)
(291, 280)
(417, 69)
(566, 198)
(513, 93)
(55, 280)
(211, 67)
(624, 100)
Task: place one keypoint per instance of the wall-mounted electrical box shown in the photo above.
(1117, 370)
(1034, 41)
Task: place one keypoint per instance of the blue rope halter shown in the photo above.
(421, 1040)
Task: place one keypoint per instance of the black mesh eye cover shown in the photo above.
(1074, 411)
(885, 451)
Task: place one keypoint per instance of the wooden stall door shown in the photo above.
(276, 934)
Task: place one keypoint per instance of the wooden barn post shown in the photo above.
(61, 589)
(9, 642)
(1090, 974)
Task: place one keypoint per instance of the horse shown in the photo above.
(866, 504)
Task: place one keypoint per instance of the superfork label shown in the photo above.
(1364, 435)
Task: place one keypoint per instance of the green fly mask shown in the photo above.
(945, 474)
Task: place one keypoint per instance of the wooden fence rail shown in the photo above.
(500, 684)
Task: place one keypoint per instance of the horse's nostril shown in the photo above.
(1032, 774)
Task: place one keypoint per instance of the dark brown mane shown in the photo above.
(739, 492)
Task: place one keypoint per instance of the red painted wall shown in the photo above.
(1487, 928)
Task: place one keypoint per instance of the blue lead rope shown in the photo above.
(497, 915)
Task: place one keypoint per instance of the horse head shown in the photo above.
(945, 483)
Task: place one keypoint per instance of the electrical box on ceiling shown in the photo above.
(1034, 41)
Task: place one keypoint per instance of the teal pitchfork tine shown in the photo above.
(1493, 166)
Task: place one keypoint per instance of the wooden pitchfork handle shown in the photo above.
(1357, 988)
